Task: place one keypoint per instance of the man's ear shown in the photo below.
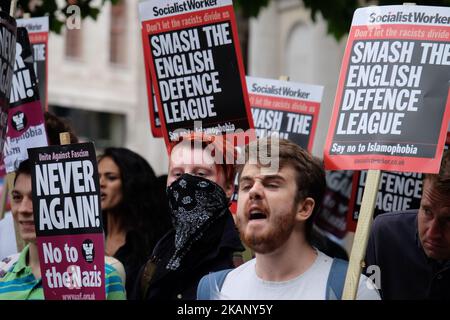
(305, 209)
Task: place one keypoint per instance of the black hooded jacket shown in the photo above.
(212, 252)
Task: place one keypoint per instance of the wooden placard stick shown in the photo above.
(64, 138)
(365, 220)
(12, 9)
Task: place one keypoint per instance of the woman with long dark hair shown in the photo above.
(132, 208)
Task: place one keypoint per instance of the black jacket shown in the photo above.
(406, 272)
(132, 259)
(212, 252)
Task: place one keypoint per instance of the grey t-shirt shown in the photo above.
(243, 283)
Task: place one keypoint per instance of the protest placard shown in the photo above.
(196, 67)
(7, 58)
(155, 121)
(285, 109)
(391, 108)
(332, 216)
(398, 191)
(394, 79)
(38, 34)
(26, 126)
(68, 221)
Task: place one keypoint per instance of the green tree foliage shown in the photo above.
(337, 13)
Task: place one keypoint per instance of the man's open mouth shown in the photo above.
(257, 215)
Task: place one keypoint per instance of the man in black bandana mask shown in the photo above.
(204, 238)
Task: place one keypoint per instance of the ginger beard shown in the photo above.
(272, 237)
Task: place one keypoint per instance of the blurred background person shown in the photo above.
(55, 125)
(133, 213)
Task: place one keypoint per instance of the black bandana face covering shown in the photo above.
(195, 204)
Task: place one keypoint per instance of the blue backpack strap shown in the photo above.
(336, 279)
(204, 286)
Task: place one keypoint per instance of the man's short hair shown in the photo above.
(310, 174)
(221, 150)
(24, 168)
(441, 180)
(54, 126)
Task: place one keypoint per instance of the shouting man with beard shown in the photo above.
(276, 207)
